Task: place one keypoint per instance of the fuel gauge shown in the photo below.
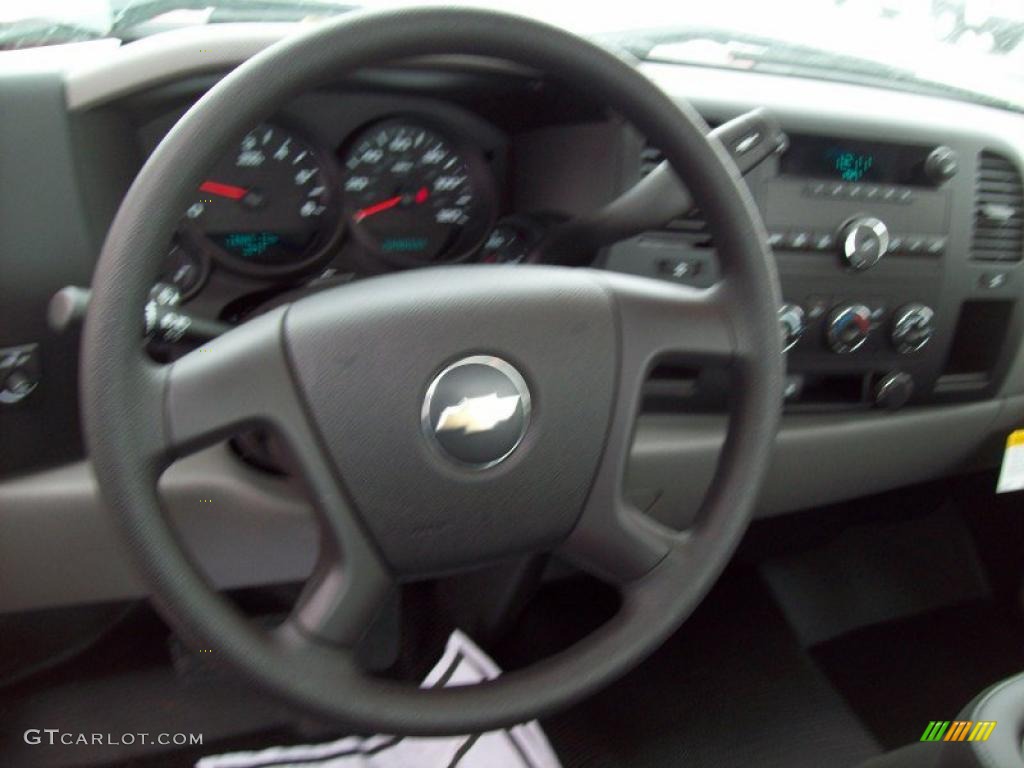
(185, 270)
(512, 241)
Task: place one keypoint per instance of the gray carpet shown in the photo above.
(731, 688)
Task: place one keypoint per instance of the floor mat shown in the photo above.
(877, 571)
(126, 684)
(731, 688)
(899, 675)
(462, 663)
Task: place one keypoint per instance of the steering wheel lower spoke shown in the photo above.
(342, 598)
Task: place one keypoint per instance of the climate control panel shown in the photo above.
(856, 352)
(850, 324)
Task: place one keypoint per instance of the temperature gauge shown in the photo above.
(512, 241)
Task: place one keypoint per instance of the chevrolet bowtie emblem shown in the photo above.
(476, 411)
(477, 414)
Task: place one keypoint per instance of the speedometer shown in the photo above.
(269, 206)
(414, 195)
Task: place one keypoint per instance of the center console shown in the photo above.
(898, 264)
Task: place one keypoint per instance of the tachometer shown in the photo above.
(413, 195)
(269, 206)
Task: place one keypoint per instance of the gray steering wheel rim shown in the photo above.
(122, 423)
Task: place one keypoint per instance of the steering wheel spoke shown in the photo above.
(342, 597)
(612, 539)
(659, 318)
(242, 379)
(238, 380)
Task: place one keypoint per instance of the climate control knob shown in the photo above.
(913, 326)
(791, 325)
(863, 241)
(848, 328)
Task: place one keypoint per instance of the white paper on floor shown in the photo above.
(462, 663)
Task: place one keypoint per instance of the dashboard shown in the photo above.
(896, 222)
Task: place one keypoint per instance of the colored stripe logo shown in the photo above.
(958, 730)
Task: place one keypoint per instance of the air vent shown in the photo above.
(998, 211)
(693, 223)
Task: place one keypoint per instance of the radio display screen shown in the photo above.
(853, 161)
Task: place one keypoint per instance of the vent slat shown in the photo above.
(998, 196)
(1011, 230)
(1003, 180)
(998, 210)
(984, 222)
(993, 244)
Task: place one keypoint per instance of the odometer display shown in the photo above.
(268, 205)
(413, 195)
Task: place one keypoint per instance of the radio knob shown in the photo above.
(941, 165)
(791, 325)
(912, 328)
(848, 328)
(863, 241)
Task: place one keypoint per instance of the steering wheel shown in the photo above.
(442, 418)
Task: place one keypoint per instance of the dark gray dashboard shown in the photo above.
(86, 131)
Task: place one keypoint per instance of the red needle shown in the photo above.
(223, 190)
(383, 205)
(420, 197)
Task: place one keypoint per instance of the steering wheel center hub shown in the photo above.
(477, 411)
(419, 390)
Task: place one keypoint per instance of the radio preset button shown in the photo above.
(798, 239)
(824, 241)
(915, 244)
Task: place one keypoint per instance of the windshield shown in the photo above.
(971, 49)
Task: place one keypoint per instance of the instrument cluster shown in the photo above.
(404, 190)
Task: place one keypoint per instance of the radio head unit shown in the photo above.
(869, 162)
